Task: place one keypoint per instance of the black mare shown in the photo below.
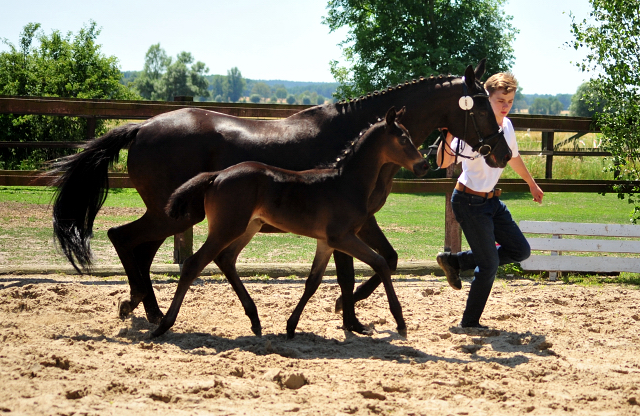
(169, 149)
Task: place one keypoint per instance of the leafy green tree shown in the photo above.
(218, 86)
(320, 100)
(611, 35)
(281, 92)
(235, 84)
(391, 41)
(255, 98)
(539, 106)
(54, 65)
(180, 79)
(262, 89)
(291, 99)
(163, 79)
(585, 102)
(555, 106)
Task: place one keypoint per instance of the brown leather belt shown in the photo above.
(496, 192)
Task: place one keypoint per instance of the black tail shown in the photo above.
(82, 189)
(188, 199)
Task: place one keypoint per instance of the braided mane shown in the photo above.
(433, 80)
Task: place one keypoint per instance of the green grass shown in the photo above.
(414, 224)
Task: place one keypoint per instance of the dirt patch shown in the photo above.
(555, 349)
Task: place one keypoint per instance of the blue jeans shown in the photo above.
(486, 222)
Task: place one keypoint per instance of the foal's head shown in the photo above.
(398, 147)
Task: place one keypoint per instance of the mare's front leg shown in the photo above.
(346, 279)
(323, 255)
(352, 245)
(373, 236)
(226, 261)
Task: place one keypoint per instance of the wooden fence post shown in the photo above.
(452, 231)
(547, 144)
(91, 128)
(182, 242)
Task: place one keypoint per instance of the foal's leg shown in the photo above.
(352, 245)
(323, 255)
(226, 261)
(373, 236)
(190, 270)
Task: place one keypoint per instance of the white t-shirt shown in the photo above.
(476, 174)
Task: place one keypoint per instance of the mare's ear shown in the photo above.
(390, 118)
(469, 77)
(480, 69)
(400, 113)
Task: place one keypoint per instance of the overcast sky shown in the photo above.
(281, 39)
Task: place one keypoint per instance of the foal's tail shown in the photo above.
(82, 188)
(188, 199)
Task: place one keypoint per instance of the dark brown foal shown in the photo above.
(329, 205)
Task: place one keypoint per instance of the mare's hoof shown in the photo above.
(291, 334)
(157, 333)
(155, 318)
(257, 331)
(402, 332)
(124, 309)
(338, 307)
(359, 328)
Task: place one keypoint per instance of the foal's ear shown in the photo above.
(400, 114)
(390, 118)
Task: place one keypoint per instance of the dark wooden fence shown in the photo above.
(112, 109)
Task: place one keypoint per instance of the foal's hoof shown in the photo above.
(124, 309)
(338, 307)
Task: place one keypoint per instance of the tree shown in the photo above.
(281, 92)
(611, 35)
(218, 86)
(54, 65)
(255, 98)
(539, 106)
(163, 79)
(585, 102)
(390, 41)
(262, 89)
(235, 84)
(291, 99)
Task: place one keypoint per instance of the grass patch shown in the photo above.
(413, 223)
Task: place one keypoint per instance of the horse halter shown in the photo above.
(466, 104)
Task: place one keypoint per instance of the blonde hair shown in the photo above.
(501, 81)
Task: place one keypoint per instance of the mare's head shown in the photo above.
(398, 147)
(470, 118)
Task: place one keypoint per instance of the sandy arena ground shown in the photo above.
(555, 349)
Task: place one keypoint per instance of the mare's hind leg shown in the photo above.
(226, 261)
(136, 244)
(373, 236)
(352, 245)
(323, 255)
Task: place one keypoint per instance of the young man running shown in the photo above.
(485, 220)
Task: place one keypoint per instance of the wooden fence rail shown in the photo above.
(93, 109)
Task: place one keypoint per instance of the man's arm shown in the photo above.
(518, 165)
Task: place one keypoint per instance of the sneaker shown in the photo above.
(453, 274)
